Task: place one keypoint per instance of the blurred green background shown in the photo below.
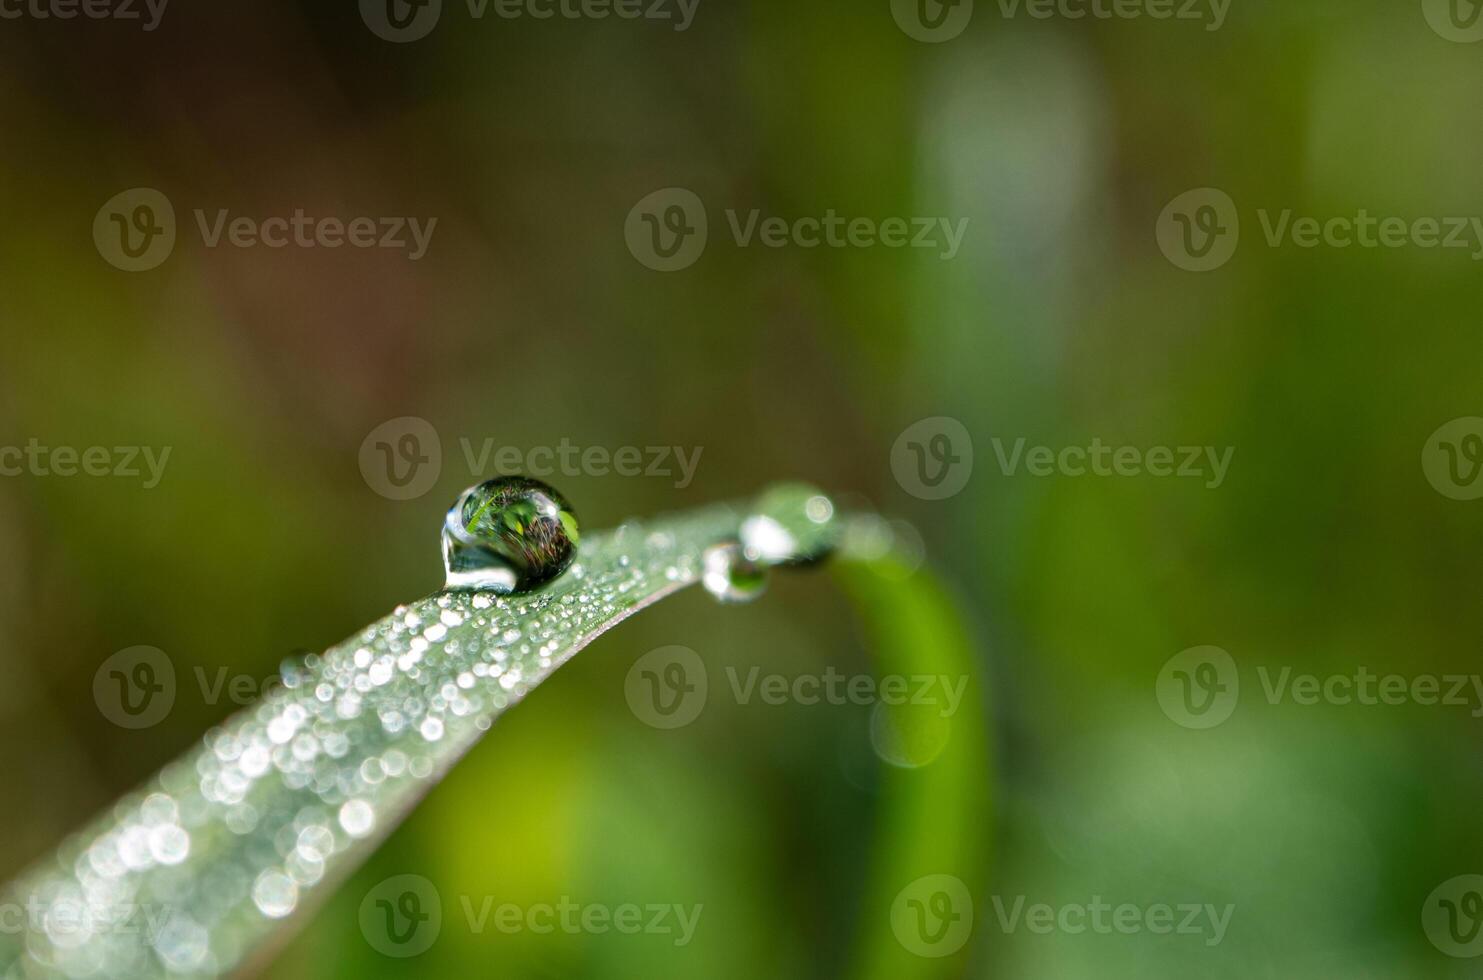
(529, 321)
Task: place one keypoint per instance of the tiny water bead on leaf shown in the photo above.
(791, 524)
(508, 535)
(729, 576)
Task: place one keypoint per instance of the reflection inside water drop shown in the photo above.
(507, 535)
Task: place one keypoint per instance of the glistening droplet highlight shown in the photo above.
(791, 524)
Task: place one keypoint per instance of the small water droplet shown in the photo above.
(908, 735)
(275, 894)
(169, 844)
(357, 818)
(508, 535)
(790, 524)
(730, 576)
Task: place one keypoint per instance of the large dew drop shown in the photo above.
(508, 535)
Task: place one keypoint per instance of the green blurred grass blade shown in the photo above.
(935, 817)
